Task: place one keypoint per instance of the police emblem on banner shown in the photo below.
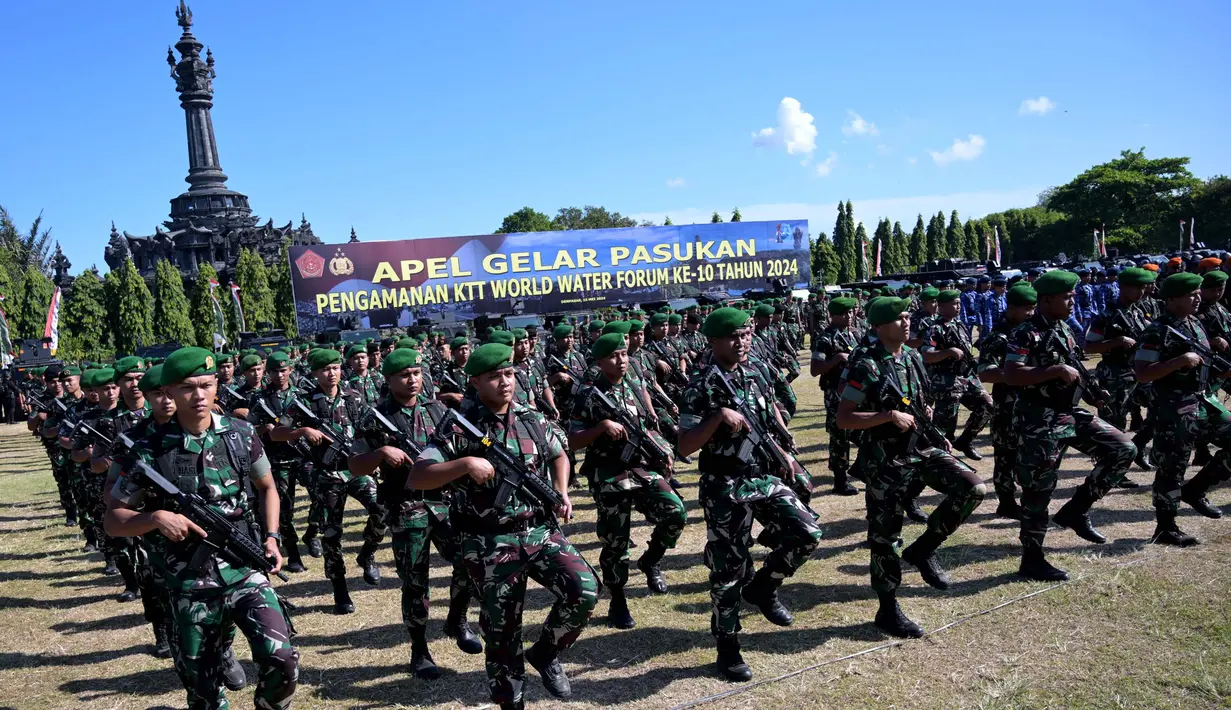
(340, 265)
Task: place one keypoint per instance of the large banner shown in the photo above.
(382, 284)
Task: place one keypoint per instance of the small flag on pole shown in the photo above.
(1103, 245)
(6, 342)
(1192, 233)
(1096, 243)
(51, 329)
(863, 257)
(997, 245)
(878, 257)
(239, 308)
(1181, 235)
(220, 340)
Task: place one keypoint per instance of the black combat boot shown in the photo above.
(731, 662)
(966, 447)
(1202, 455)
(1193, 492)
(891, 620)
(1168, 533)
(162, 644)
(341, 597)
(1075, 515)
(457, 628)
(762, 592)
(922, 554)
(233, 676)
(367, 561)
(648, 564)
(542, 657)
(109, 567)
(618, 616)
(913, 511)
(513, 705)
(1035, 566)
(132, 589)
(421, 663)
(312, 542)
(294, 563)
(1008, 507)
(1143, 460)
(91, 542)
(841, 486)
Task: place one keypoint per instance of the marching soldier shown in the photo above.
(947, 351)
(883, 379)
(451, 384)
(831, 350)
(735, 489)
(922, 320)
(502, 545)
(362, 380)
(48, 416)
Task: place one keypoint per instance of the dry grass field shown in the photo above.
(1138, 626)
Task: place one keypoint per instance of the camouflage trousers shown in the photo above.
(839, 438)
(307, 478)
(888, 489)
(155, 598)
(333, 493)
(1121, 386)
(965, 392)
(657, 502)
(79, 483)
(731, 505)
(1179, 427)
(64, 486)
(97, 504)
(285, 484)
(411, 547)
(1045, 434)
(1004, 443)
(499, 565)
(202, 623)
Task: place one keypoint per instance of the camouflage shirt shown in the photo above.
(603, 455)
(1114, 322)
(704, 397)
(451, 379)
(829, 342)
(278, 402)
(343, 410)
(870, 378)
(942, 335)
(1042, 342)
(1157, 346)
(368, 386)
(993, 350)
(407, 509)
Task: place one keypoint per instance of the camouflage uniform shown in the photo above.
(953, 385)
(1115, 368)
(286, 459)
(456, 381)
(895, 464)
(829, 342)
(503, 547)
(734, 492)
(1216, 320)
(992, 353)
(1048, 422)
(59, 460)
(206, 599)
(617, 489)
(368, 387)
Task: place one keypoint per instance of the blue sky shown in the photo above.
(411, 120)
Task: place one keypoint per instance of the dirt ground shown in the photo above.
(1138, 626)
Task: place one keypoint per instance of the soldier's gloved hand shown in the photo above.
(733, 420)
(614, 430)
(395, 457)
(479, 469)
(902, 420)
(176, 527)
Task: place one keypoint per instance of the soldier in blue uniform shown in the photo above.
(994, 305)
(970, 307)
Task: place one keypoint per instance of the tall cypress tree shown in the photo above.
(971, 239)
(936, 238)
(85, 330)
(841, 243)
(284, 295)
(863, 258)
(824, 261)
(955, 237)
(134, 306)
(715, 218)
(171, 320)
(201, 308)
(254, 290)
(918, 244)
(34, 298)
(900, 249)
(736, 216)
(111, 300)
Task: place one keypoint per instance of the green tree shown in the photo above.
(736, 217)
(34, 298)
(526, 219)
(30, 248)
(111, 300)
(1210, 203)
(882, 243)
(955, 238)
(668, 223)
(824, 261)
(84, 320)
(171, 320)
(201, 308)
(918, 244)
(844, 246)
(590, 217)
(254, 288)
(972, 244)
(863, 257)
(284, 294)
(716, 218)
(134, 306)
(899, 250)
(936, 237)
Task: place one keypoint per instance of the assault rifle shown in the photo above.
(1218, 362)
(228, 397)
(757, 439)
(1085, 387)
(297, 444)
(513, 473)
(637, 441)
(230, 540)
(674, 375)
(568, 371)
(390, 486)
(924, 426)
(340, 445)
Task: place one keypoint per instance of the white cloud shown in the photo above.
(1036, 107)
(824, 168)
(857, 126)
(968, 149)
(676, 182)
(795, 131)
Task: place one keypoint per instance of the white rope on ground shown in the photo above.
(891, 644)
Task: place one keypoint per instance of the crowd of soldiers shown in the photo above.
(472, 444)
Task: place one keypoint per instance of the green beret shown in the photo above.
(278, 361)
(88, 378)
(520, 334)
(948, 296)
(458, 342)
(562, 331)
(1055, 281)
(664, 309)
(399, 360)
(658, 319)
(1021, 295)
(408, 342)
(489, 357)
(421, 337)
(1180, 284)
(724, 322)
(323, 357)
(503, 337)
(1213, 279)
(248, 362)
(596, 326)
(606, 345)
(188, 362)
(635, 326)
(125, 365)
(675, 319)
(151, 380)
(70, 371)
(224, 356)
(886, 309)
(838, 306)
(931, 293)
(620, 326)
(1134, 276)
(355, 350)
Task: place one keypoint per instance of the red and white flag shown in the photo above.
(878, 257)
(52, 328)
(997, 245)
(1181, 235)
(1192, 233)
(239, 308)
(1096, 243)
(1103, 245)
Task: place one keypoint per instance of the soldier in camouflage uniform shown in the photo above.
(451, 377)
(1048, 419)
(210, 455)
(620, 483)
(882, 380)
(641, 370)
(737, 489)
(772, 352)
(922, 319)
(363, 381)
(418, 519)
(530, 378)
(565, 367)
(251, 371)
(55, 455)
(89, 486)
(340, 407)
(947, 352)
(76, 402)
(1216, 320)
(503, 546)
(99, 384)
(831, 349)
(1185, 412)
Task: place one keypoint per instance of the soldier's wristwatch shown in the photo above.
(274, 535)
